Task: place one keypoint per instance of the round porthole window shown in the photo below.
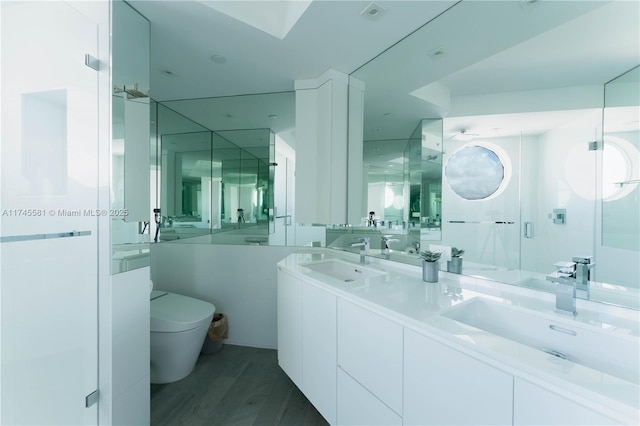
(620, 165)
(478, 171)
(619, 168)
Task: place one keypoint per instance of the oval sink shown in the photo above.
(343, 271)
(613, 353)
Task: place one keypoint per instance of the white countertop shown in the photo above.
(401, 295)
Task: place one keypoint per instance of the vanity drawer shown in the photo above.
(370, 351)
(358, 406)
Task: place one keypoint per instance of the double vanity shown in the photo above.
(374, 344)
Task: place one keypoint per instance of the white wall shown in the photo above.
(239, 280)
(565, 178)
(130, 347)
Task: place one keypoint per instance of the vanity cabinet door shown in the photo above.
(370, 351)
(445, 387)
(290, 326)
(319, 349)
(534, 405)
(358, 406)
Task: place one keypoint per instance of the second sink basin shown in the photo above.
(613, 353)
(343, 271)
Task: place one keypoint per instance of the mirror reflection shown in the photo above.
(130, 144)
(525, 181)
(215, 182)
(621, 163)
(403, 179)
(219, 185)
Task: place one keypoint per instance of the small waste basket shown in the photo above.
(218, 330)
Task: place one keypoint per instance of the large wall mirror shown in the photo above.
(522, 174)
(130, 106)
(402, 187)
(220, 168)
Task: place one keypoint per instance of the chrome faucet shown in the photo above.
(566, 296)
(584, 265)
(572, 278)
(364, 250)
(384, 245)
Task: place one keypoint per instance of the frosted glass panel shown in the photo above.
(44, 142)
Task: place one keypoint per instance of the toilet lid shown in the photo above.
(173, 312)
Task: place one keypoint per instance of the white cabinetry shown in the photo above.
(370, 351)
(307, 340)
(359, 367)
(533, 405)
(290, 326)
(358, 406)
(319, 349)
(443, 386)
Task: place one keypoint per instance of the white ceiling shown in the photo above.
(493, 52)
(329, 34)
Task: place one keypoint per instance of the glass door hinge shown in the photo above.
(594, 146)
(91, 399)
(92, 62)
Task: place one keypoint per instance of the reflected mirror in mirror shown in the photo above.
(403, 178)
(215, 183)
(219, 184)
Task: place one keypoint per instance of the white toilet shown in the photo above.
(179, 326)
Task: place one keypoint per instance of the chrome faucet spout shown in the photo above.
(364, 245)
(584, 265)
(571, 278)
(384, 245)
(566, 297)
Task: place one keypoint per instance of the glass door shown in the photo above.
(49, 216)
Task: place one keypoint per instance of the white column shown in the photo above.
(322, 150)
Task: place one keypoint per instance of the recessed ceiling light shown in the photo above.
(274, 116)
(529, 4)
(218, 59)
(373, 11)
(438, 52)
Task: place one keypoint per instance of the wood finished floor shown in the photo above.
(235, 386)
